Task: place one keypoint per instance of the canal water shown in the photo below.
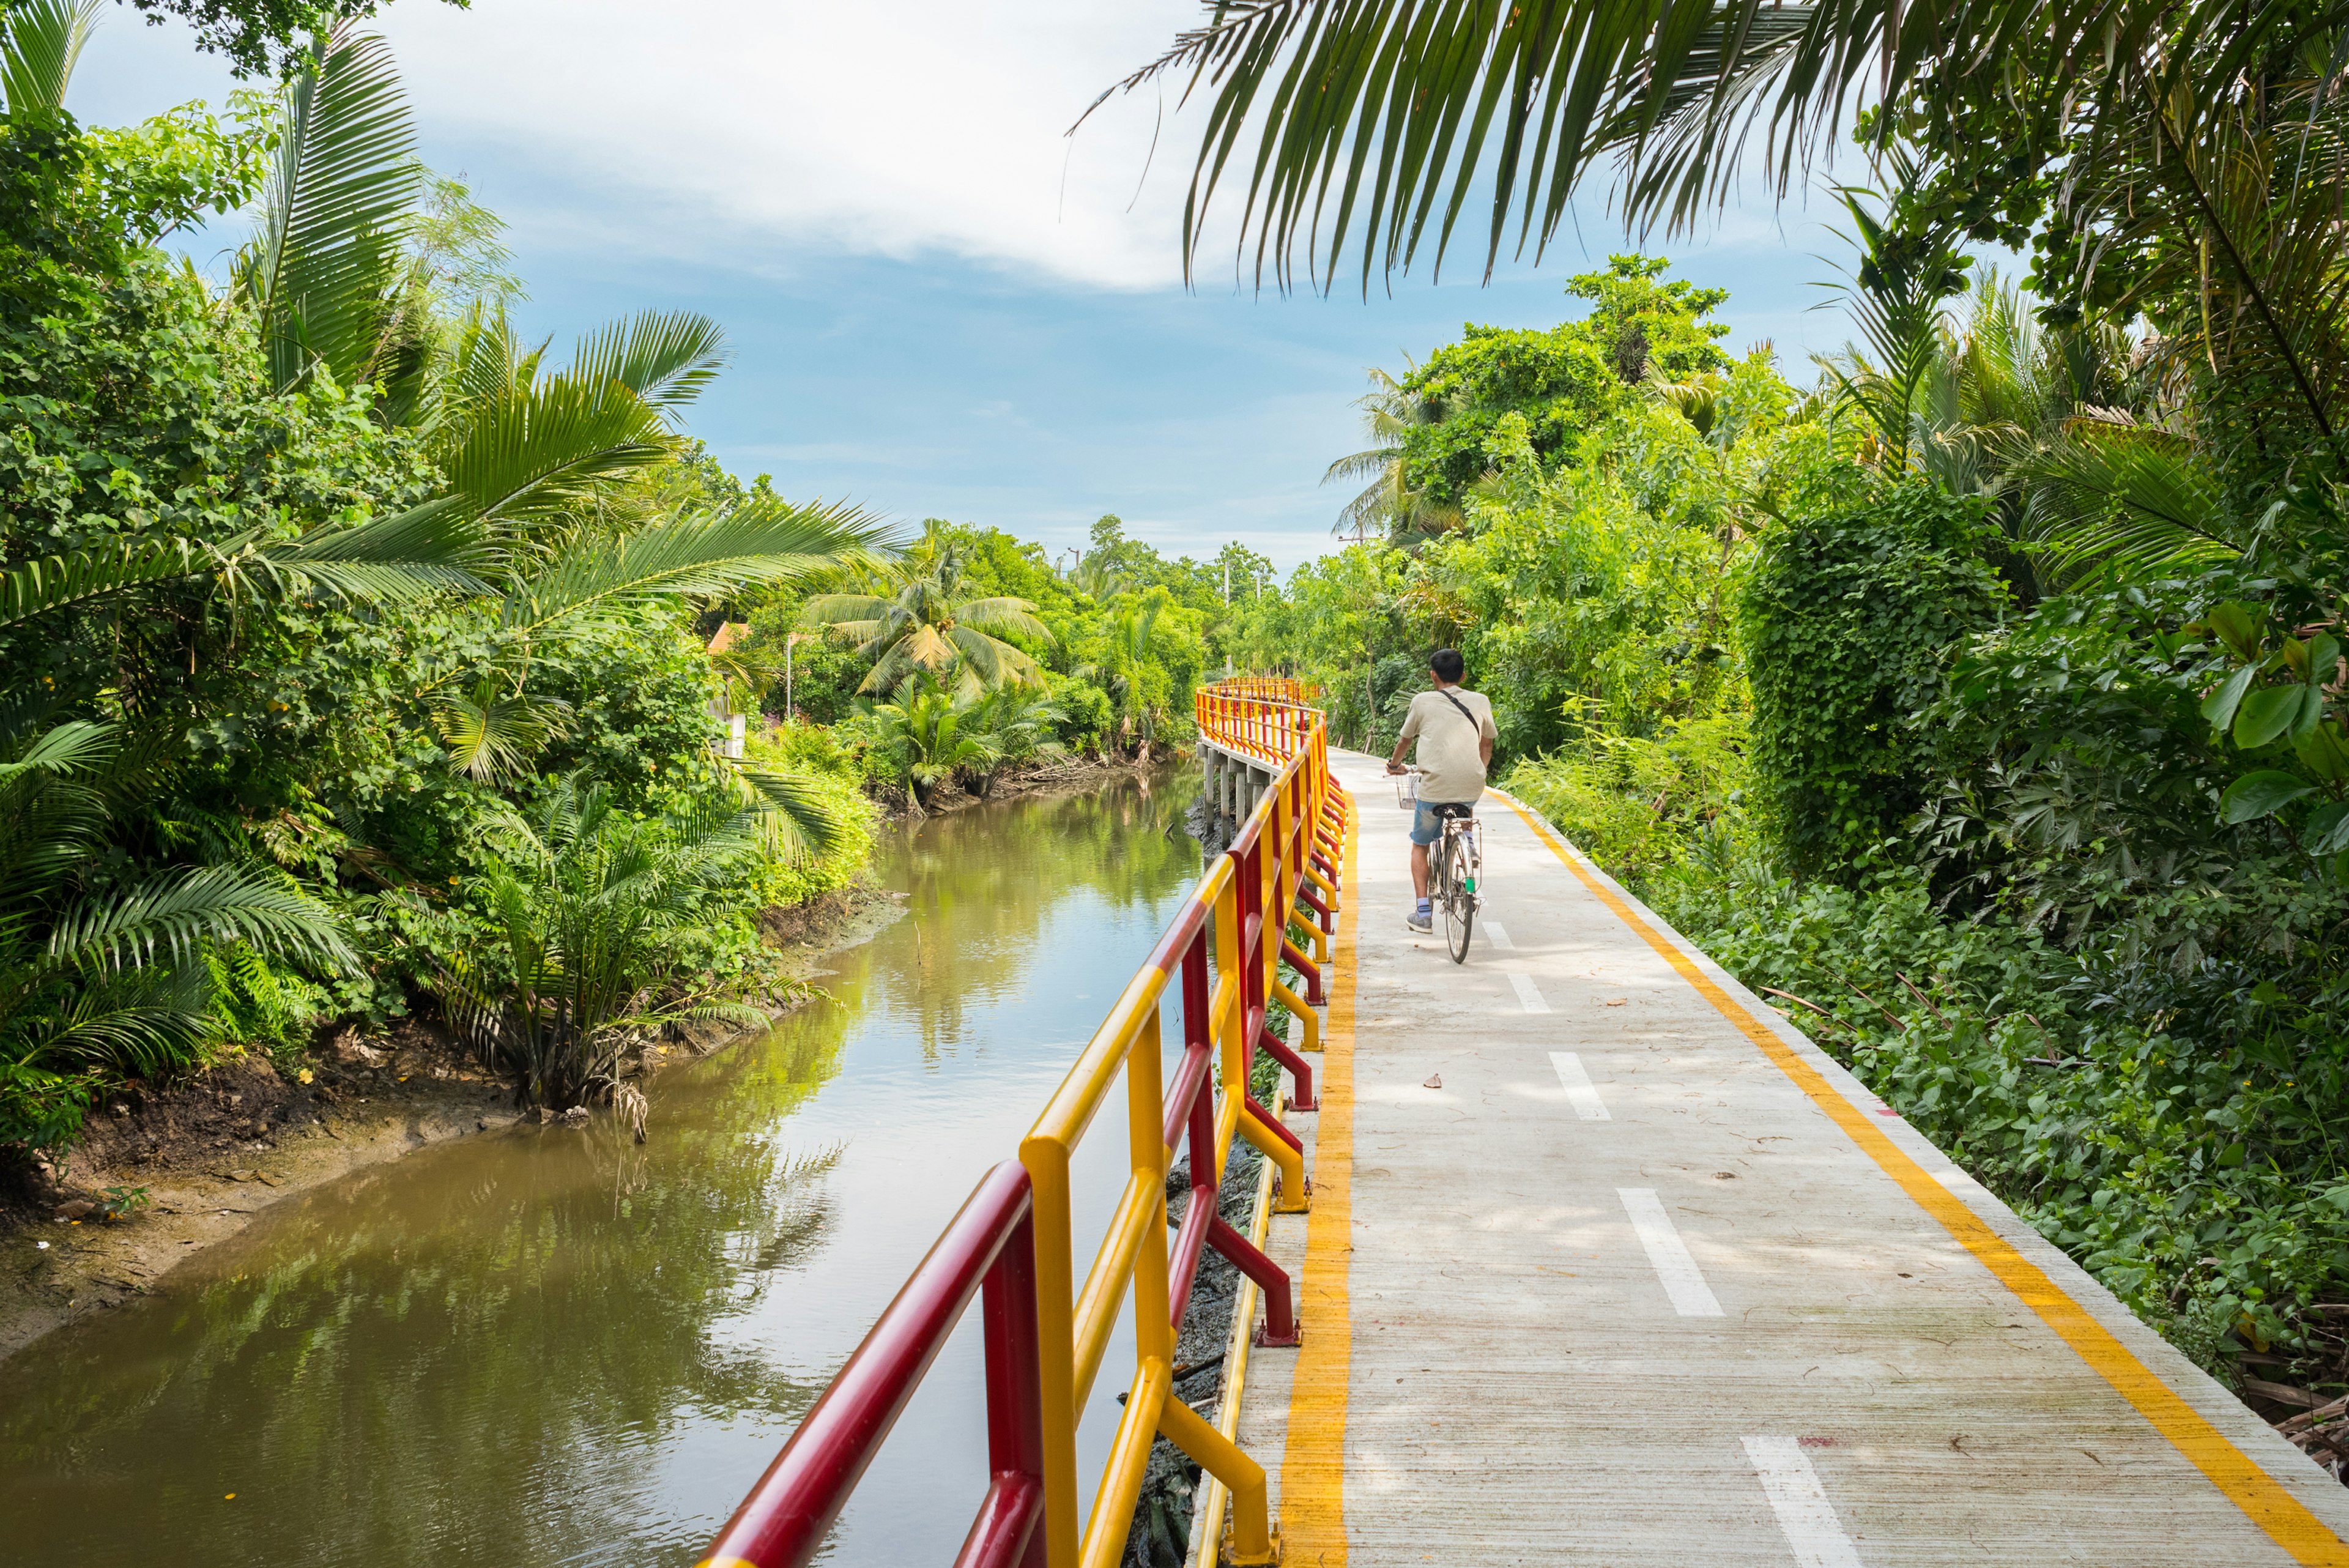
(548, 1346)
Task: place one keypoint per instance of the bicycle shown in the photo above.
(1455, 871)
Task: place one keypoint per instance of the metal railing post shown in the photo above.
(1146, 1148)
(1015, 1413)
(1047, 1162)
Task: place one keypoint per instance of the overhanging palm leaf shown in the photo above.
(409, 556)
(40, 42)
(714, 553)
(52, 582)
(536, 452)
(1376, 122)
(796, 821)
(340, 193)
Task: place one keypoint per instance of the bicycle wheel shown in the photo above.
(1459, 895)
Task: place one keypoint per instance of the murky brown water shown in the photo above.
(550, 1346)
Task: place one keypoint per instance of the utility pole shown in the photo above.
(1361, 536)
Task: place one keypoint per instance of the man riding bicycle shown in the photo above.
(1455, 735)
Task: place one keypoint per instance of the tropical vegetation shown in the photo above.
(1975, 693)
(364, 657)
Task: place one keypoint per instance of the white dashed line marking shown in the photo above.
(1522, 984)
(1683, 1282)
(1801, 1503)
(1496, 936)
(1580, 1092)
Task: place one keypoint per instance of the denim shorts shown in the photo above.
(1427, 821)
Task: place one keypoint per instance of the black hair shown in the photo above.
(1447, 665)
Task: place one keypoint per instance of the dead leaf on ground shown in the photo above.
(1434, 1081)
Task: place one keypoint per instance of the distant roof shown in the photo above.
(732, 632)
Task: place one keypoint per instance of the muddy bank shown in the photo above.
(162, 1173)
(1044, 777)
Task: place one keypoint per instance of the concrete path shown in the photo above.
(1608, 1265)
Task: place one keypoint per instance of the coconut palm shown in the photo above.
(1388, 502)
(1017, 723)
(1130, 673)
(931, 625)
(1094, 577)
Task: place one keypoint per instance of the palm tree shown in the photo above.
(1097, 579)
(931, 625)
(586, 922)
(43, 41)
(1388, 502)
(1017, 723)
(929, 734)
(1126, 673)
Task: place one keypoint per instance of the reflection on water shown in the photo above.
(550, 1346)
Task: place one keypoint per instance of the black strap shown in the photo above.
(1456, 702)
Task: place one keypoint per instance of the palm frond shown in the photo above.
(2124, 501)
(144, 1019)
(1003, 614)
(426, 550)
(494, 734)
(1376, 462)
(534, 450)
(761, 541)
(1375, 126)
(338, 200)
(666, 358)
(40, 43)
(799, 822)
(175, 915)
(52, 582)
(847, 611)
(76, 746)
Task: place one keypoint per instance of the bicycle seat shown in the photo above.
(1456, 811)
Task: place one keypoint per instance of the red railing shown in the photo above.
(990, 1246)
(1045, 1338)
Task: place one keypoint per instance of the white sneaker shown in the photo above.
(1423, 924)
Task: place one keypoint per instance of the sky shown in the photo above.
(939, 303)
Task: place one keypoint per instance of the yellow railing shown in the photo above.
(1223, 952)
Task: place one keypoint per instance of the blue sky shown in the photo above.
(939, 305)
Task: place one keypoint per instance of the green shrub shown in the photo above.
(1849, 622)
(1637, 805)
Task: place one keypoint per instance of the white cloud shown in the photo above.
(900, 129)
(756, 136)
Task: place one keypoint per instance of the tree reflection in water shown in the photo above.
(556, 1346)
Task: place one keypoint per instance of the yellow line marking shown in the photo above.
(2285, 1518)
(1313, 1468)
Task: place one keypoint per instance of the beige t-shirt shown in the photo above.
(1451, 767)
